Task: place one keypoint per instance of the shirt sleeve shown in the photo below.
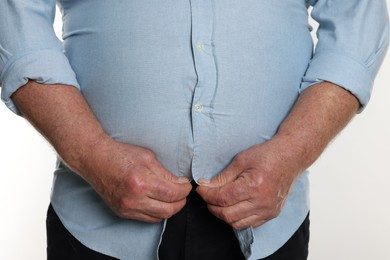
(29, 48)
(353, 37)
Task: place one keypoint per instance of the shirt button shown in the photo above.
(200, 46)
(197, 107)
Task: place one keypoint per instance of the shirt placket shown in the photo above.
(203, 125)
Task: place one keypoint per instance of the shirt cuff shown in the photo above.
(45, 66)
(342, 71)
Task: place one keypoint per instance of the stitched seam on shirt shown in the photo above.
(382, 47)
(14, 59)
(3, 57)
(341, 54)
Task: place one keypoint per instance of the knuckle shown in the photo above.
(172, 195)
(240, 159)
(169, 212)
(238, 226)
(121, 213)
(273, 213)
(125, 205)
(243, 223)
(257, 181)
(136, 185)
(148, 156)
(166, 194)
(277, 212)
(225, 216)
(223, 200)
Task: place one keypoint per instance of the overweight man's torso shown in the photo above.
(196, 82)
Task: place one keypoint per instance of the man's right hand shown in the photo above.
(133, 182)
(129, 178)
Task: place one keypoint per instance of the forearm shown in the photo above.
(129, 178)
(320, 113)
(63, 117)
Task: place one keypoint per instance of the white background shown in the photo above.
(350, 213)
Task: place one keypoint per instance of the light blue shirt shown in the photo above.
(195, 81)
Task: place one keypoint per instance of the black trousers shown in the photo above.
(193, 233)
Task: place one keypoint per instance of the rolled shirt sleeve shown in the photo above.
(29, 48)
(353, 37)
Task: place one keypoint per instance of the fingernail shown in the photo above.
(203, 181)
(183, 180)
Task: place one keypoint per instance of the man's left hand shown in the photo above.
(253, 188)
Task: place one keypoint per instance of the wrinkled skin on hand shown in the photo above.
(252, 189)
(134, 184)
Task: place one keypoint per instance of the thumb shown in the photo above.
(226, 176)
(159, 170)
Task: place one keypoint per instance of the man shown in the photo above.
(151, 95)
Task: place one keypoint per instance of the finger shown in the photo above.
(226, 176)
(132, 209)
(240, 216)
(251, 221)
(164, 190)
(257, 218)
(227, 195)
(158, 169)
(154, 181)
(233, 213)
(142, 217)
(162, 210)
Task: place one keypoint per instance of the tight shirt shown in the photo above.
(195, 81)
